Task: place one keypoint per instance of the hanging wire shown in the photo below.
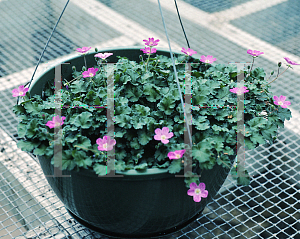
(175, 72)
(187, 41)
(39, 61)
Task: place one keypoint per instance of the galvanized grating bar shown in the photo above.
(237, 212)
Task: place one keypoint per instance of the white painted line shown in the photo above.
(118, 22)
(28, 175)
(230, 32)
(22, 77)
(245, 9)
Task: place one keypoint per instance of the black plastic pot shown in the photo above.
(138, 205)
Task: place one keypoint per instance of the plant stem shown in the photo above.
(85, 62)
(251, 66)
(73, 80)
(278, 75)
(148, 59)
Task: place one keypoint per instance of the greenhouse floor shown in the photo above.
(226, 29)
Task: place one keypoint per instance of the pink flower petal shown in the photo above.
(282, 98)
(197, 198)
(275, 98)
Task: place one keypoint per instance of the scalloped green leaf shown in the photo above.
(22, 130)
(123, 121)
(33, 108)
(100, 169)
(152, 92)
(141, 166)
(167, 105)
(78, 86)
(119, 165)
(175, 166)
(144, 137)
(27, 146)
(32, 128)
(40, 150)
(84, 120)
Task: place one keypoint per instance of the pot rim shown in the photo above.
(73, 56)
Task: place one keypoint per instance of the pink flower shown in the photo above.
(289, 61)
(208, 59)
(148, 50)
(103, 55)
(106, 143)
(197, 192)
(239, 91)
(188, 51)
(56, 121)
(90, 72)
(176, 154)
(254, 52)
(21, 91)
(163, 135)
(151, 42)
(281, 101)
(83, 49)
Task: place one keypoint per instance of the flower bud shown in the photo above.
(73, 68)
(83, 68)
(272, 73)
(279, 64)
(96, 49)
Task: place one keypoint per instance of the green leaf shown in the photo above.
(123, 121)
(134, 144)
(84, 142)
(199, 100)
(257, 122)
(167, 105)
(269, 131)
(97, 101)
(40, 150)
(27, 145)
(90, 96)
(284, 114)
(175, 166)
(222, 93)
(19, 109)
(213, 84)
(160, 154)
(257, 138)
(145, 77)
(141, 166)
(84, 120)
(81, 159)
(120, 153)
(165, 165)
(133, 94)
(33, 108)
(21, 130)
(258, 73)
(152, 92)
(68, 164)
(119, 165)
(78, 86)
(32, 128)
(144, 138)
(202, 126)
(141, 110)
(218, 129)
(201, 151)
(100, 169)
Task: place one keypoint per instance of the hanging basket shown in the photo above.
(141, 204)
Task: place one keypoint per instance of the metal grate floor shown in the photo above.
(268, 208)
